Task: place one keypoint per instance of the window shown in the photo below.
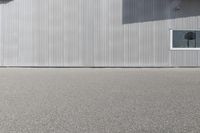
(185, 39)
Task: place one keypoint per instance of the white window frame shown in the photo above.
(171, 39)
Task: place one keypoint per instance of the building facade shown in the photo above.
(100, 33)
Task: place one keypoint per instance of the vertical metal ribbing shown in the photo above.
(1, 45)
(92, 33)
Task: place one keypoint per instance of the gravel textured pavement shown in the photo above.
(85, 100)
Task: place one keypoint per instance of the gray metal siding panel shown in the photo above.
(72, 32)
(101, 47)
(162, 41)
(116, 41)
(146, 44)
(184, 58)
(92, 33)
(10, 35)
(41, 33)
(131, 43)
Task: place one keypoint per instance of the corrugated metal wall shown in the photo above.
(108, 33)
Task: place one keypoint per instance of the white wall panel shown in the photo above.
(92, 33)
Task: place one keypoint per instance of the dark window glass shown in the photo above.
(186, 39)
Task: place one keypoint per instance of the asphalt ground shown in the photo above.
(63, 100)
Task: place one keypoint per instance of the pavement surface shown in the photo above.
(100, 100)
